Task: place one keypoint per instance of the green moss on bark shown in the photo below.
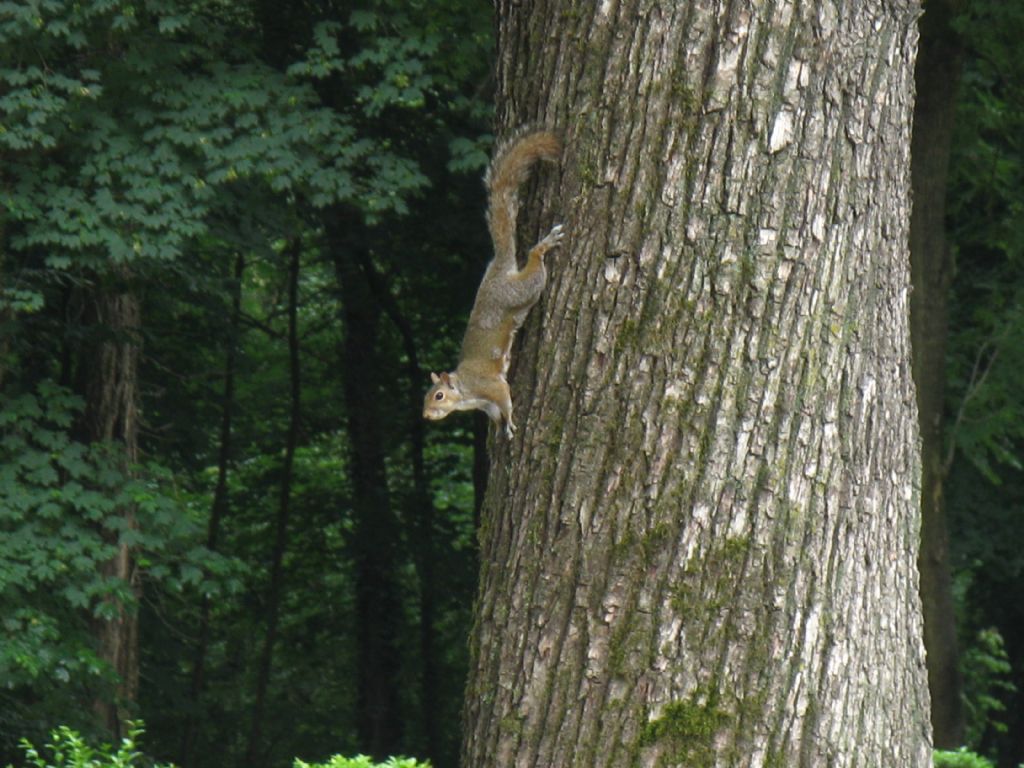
(685, 731)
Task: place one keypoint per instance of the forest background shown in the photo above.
(234, 240)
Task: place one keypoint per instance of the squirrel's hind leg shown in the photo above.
(549, 241)
(524, 287)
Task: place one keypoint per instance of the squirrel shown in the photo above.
(505, 295)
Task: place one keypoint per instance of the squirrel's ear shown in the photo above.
(446, 379)
(434, 378)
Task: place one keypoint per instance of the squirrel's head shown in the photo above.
(443, 397)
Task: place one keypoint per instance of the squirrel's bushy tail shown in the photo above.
(508, 171)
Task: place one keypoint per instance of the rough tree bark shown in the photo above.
(938, 69)
(700, 548)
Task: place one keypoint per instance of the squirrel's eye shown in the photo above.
(439, 396)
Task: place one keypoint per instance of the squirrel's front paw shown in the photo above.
(510, 429)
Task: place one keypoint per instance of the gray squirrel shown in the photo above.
(505, 295)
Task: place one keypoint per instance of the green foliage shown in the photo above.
(62, 518)
(468, 155)
(987, 677)
(985, 411)
(362, 761)
(961, 758)
(986, 212)
(68, 749)
(57, 497)
(159, 135)
(173, 137)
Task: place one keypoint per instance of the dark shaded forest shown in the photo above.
(235, 239)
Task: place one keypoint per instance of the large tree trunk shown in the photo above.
(701, 547)
(108, 377)
(938, 69)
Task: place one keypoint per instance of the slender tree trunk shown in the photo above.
(6, 316)
(701, 547)
(376, 536)
(218, 509)
(254, 754)
(422, 510)
(938, 68)
(108, 376)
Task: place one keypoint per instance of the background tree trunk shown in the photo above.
(218, 511)
(254, 755)
(701, 547)
(419, 508)
(6, 315)
(108, 377)
(376, 537)
(938, 69)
